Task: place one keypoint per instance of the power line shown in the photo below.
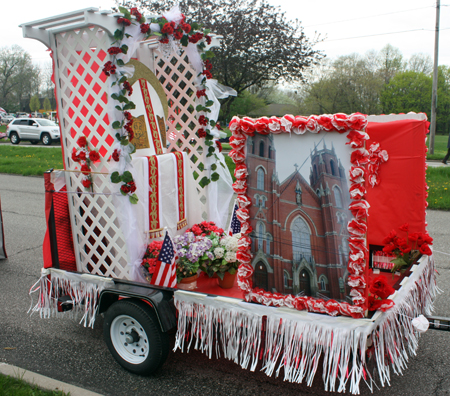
(369, 16)
(383, 34)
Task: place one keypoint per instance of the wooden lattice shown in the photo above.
(83, 97)
(177, 78)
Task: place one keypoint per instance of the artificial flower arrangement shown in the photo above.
(148, 264)
(203, 247)
(222, 257)
(407, 250)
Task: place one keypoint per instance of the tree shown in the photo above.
(407, 91)
(245, 103)
(349, 84)
(420, 63)
(390, 62)
(259, 43)
(47, 106)
(19, 78)
(35, 103)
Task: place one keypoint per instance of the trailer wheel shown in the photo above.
(134, 337)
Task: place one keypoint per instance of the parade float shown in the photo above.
(325, 251)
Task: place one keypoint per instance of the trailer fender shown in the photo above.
(160, 299)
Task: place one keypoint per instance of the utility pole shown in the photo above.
(435, 80)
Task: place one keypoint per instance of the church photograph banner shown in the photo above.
(300, 193)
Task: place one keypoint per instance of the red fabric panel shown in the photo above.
(400, 196)
(66, 253)
(46, 247)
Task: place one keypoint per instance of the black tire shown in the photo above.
(149, 348)
(14, 138)
(46, 139)
(34, 141)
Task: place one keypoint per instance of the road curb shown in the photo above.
(43, 382)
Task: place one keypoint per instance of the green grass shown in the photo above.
(440, 147)
(29, 161)
(438, 180)
(10, 386)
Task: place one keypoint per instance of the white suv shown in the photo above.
(33, 129)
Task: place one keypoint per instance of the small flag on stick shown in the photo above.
(166, 270)
(235, 224)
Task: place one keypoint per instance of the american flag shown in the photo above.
(166, 270)
(235, 224)
(2, 110)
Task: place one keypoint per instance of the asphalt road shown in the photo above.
(66, 351)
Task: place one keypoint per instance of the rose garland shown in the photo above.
(84, 156)
(353, 125)
(168, 31)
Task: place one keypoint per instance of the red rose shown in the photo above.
(406, 249)
(401, 242)
(390, 237)
(404, 227)
(208, 39)
(123, 21)
(86, 183)
(132, 186)
(127, 86)
(114, 50)
(186, 27)
(75, 157)
(178, 35)
(389, 248)
(167, 28)
(82, 155)
(202, 120)
(145, 27)
(374, 303)
(201, 92)
(125, 188)
(201, 133)
(425, 249)
(85, 169)
(219, 146)
(116, 155)
(94, 156)
(381, 288)
(82, 142)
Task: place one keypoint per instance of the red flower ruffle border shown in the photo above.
(365, 166)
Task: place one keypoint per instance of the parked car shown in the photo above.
(34, 130)
(6, 119)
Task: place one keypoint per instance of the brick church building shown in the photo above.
(299, 227)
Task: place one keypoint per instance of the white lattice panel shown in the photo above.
(177, 78)
(83, 98)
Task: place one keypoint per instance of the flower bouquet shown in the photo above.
(189, 249)
(148, 264)
(222, 256)
(406, 250)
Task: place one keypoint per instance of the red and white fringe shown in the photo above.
(84, 290)
(298, 342)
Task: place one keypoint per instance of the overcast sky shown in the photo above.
(346, 26)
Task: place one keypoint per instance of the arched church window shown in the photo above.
(261, 230)
(260, 179)
(270, 152)
(337, 197)
(315, 173)
(301, 240)
(333, 168)
(261, 148)
(323, 282)
(341, 172)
